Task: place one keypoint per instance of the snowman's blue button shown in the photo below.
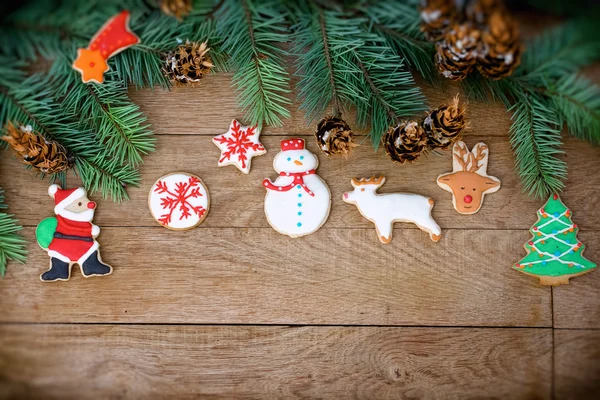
(299, 224)
(298, 186)
(299, 194)
(299, 204)
(299, 212)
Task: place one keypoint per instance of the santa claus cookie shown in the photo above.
(238, 145)
(70, 238)
(385, 209)
(298, 202)
(179, 201)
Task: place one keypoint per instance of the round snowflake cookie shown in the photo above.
(179, 201)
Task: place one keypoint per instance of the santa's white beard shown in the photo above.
(84, 216)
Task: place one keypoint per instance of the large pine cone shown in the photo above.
(176, 8)
(501, 47)
(335, 137)
(445, 125)
(405, 142)
(456, 54)
(188, 63)
(48, 156)
(436, 17)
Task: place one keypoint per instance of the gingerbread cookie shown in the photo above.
(385, 209)
(554, 255)
(298, 202)
(238, 145)
(112, 38)
(468, 182)
(70, 238)
(179, 201)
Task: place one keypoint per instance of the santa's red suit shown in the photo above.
(73, 240)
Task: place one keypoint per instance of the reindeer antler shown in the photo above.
(469, 162)
(368, 181)
(475, 158)
(459, 153)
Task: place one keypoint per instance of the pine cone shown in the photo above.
(334, 137)
(501, 48)
(456, 54)
(436, 17)
(188, 63)
(48, 156)
(176, 8)
(405, 142)
(479, 11)
(445, 125)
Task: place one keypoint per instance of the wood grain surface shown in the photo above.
(341, 315)
(112, 361)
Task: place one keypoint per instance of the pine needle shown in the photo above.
(12, 245)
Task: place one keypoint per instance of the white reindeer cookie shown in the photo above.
(385, 209)
(469, 181)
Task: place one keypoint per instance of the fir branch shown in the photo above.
(12, 245)
(251, 32)
(535, 139)
(100, 174)
(578, 101)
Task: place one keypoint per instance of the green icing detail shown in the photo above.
(44, 233)
(555, 250)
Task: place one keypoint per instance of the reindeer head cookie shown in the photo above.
(469, 181)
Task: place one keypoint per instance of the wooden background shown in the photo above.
(232, 309)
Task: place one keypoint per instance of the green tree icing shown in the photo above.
(554, 250)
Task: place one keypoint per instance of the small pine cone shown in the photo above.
(479, 11)
(436, 17)
(188, 63)
(445, 125)
(48, 156)
(405, 142)
(335, 137)
(457, 53)
(501, 47)
(176, 8)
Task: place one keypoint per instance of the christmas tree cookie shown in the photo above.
(554, 253)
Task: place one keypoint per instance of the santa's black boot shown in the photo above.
(59, 270)
(93, 266)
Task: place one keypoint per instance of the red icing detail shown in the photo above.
(72, 249)
(179, 199)
(531, 243)
(292, 144)
(91, 205)
(535, 228)
(555, 196)
(298, 180)
(114, 36)
(345, 195)
(92, 64)
(238, 143)
(468, 199)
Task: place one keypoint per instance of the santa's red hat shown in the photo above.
(64, 197)
(292, 144)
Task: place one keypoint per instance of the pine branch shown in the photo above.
(578, 101)
(12, 245)
(251, 32)
(100, 174)
(535, 138)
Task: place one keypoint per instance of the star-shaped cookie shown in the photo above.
(238, 145)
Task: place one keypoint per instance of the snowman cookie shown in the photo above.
(179, 201)
(70, 237)
(298, 202)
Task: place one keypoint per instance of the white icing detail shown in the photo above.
(67, 201)
(234, 159)
(87, 254)
(281, 208)
(53, 189)
(157, 211)
(56, 254)
(385, 209)
(84, 216)
(95, 230)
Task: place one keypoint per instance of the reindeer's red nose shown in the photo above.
(91, 205)
(468, 199)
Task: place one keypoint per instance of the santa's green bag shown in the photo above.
(44, 233)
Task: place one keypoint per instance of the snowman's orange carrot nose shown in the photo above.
(297, 162)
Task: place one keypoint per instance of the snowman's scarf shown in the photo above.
(298, 180)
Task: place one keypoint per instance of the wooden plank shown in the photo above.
(577, 305)
(577, 364)
(246, 362)
(257, 276)
(209, 108)
(237, 200)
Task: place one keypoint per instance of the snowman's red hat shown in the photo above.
(64, 197)
(292, 144)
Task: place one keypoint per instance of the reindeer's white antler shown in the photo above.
(470, 161)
